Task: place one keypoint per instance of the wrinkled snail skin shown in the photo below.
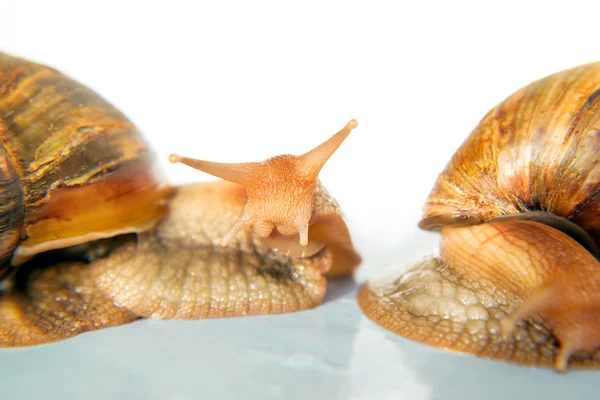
(518, 207)
(547, 272)
(91, 236)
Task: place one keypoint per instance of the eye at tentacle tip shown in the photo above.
(313, 161)
(175, 158)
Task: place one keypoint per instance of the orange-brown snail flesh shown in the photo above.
(52, 303)
(533, 157)
(488, 295)
(180, 270)
(196, 262)
(285, 198)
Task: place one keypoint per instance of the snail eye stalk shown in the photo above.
(280, 190)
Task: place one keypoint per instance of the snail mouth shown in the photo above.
(289, 246)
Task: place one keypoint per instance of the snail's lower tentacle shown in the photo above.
(562, 359)
(541, 300)
(240, 225)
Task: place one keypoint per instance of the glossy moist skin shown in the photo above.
(532, 158)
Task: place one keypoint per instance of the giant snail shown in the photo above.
(92, 236)
(518, 208)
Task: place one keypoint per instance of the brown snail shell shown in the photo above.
(518, 207)
(100, 239)
(73, 168)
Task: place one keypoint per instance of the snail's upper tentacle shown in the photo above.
(281, 190)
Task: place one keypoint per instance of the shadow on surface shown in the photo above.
(340, 288)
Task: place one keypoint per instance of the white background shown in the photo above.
(243, 81)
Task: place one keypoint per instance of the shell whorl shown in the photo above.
(78, 161)
(537, 150)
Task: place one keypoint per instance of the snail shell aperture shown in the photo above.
(518, 207)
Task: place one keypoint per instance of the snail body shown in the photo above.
(518, 207)
(92, 236)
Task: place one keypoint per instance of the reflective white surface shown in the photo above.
(243, 81)
(331, 352)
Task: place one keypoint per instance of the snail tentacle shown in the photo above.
(314, 160)
(540, 301)
(281, 190)
(246, 174)
(241, 224)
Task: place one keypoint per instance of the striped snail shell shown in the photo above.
(72, 168)
(518, 207)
